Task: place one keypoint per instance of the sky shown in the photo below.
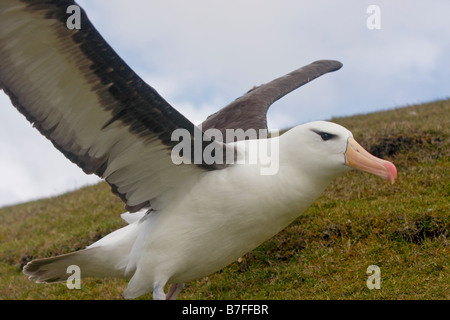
(202, 54)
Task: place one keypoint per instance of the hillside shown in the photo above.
(359, 221)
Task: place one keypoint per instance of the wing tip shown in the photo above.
(333, 65)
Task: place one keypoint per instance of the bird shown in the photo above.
(196, 199)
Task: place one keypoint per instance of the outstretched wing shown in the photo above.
(73, 87)
(250, 110)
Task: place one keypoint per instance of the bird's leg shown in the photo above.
(174, 291)
(158, 292)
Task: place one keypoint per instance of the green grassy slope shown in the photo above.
(359, 221)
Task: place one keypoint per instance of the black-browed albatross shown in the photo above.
(185, 220)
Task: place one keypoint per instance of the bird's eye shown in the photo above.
(325, 135)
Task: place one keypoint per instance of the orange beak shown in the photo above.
(358, 158)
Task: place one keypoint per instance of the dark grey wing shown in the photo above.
(73, 87)
(250, 110)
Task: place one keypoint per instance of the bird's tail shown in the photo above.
(107, 257)
(56, 269)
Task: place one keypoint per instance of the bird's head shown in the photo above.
(328, 149)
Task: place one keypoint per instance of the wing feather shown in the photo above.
(250, 110)
(74, 88)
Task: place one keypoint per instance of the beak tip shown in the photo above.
(392, 171)
(357, 157)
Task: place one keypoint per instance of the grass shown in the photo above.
(359, 221)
